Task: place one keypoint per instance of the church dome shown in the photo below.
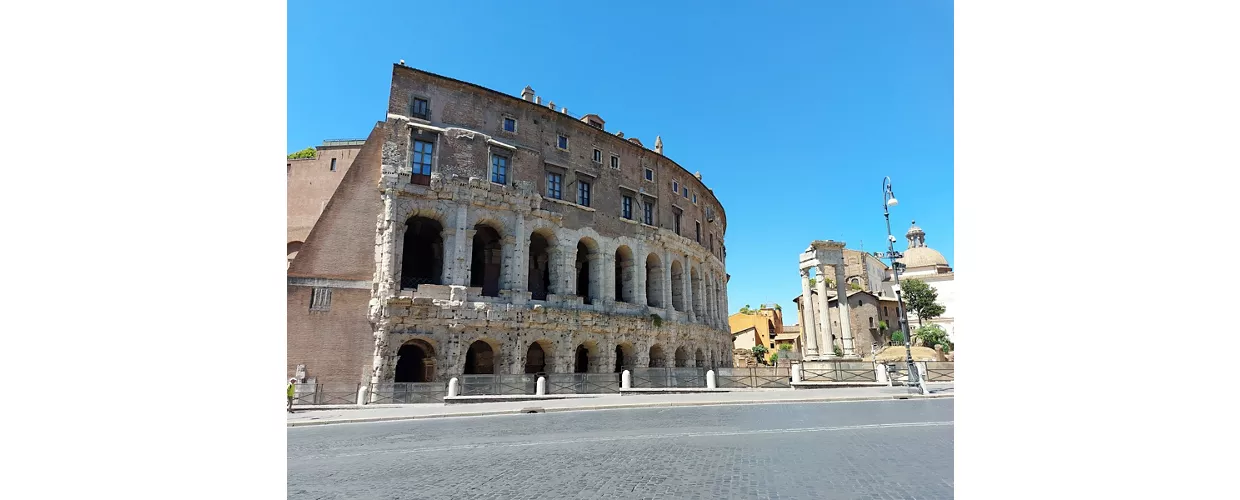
(918, 254)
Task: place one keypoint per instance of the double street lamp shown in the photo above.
(889, 200)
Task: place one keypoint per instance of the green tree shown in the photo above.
(774, 358)
(897, 337)
(759, 352)
(746, 309)
(305, 153)
(921, 298)
(932, 335)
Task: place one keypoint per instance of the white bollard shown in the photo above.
(541, 389)
(361, 394)
(626, 380)
(453, 389)
(710, 379)
(921, 374)
(796, 373)
(880, 374)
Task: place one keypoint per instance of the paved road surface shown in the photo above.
(858, 450)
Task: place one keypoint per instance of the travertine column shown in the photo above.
(608, 276)
(459, 261)
(823, 314)
(386, 252)
(809, 330)
(518, 280)
(639, 276)
(667, 284)
(509, 254)
(687, 279)
(841, 290)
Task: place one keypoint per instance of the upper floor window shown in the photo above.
(420, 108)
(598, 156)
(697, 231)
(648, 213)
(499, 169)
(554, 183)
(615, 161)
(676, 222)
(561, 142)
(333, 164)
(675, 187)
(650, 175)
(510, 124)
(583, 193)
(712, 242)
(422, 153)
(695, 198)
(626, 208)
(686, 191)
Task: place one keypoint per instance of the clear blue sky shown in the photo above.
(793, 112)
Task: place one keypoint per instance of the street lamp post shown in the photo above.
(889, 200)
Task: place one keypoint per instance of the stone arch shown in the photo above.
(293, 248)
(422, 252)
(486, 260)
(654, 281)
(585, 357)
(678, 286)
(587, 277)
(415, 361)
(543, 272)
(625, 356)
(540, 356)
(699, 359)
(682, 357)
(481, 357)
(625, 277)
(657, 357)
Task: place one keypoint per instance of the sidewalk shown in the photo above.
(319, 415)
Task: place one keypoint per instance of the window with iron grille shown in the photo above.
(583, 193)
(320, 299)
(510, 125)
(626, 208)
(422, 153)
(420, 108)
(499, 169)
(648, 215)
(554, 183)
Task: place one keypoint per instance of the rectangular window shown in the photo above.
(422, 153)
(420, 108)
(499, 169)
(675, 187)
(615, 161)
(510, 125)
(333, 164)
(583, 193)
(320, 299)
(648, 214)
(554, 182)
(697, 231)
(686, 192)
(676, 222)
(562, 142)
(650, 175)
(695, 198)
(626, 208)
(712, 242)
(598, 156)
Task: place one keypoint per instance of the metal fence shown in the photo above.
(839, 372)
(582, 383)
(506, 385)
(940, 371)
(897, 373)
(759, 377)
(653, 378)
(323, 394)
(408, 392)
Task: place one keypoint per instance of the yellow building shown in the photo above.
(758, 327)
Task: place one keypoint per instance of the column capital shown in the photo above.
(805, 273)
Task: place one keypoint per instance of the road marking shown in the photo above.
(641, 437)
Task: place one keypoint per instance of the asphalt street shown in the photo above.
(899, 449)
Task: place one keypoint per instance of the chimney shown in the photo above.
(538, 100)
(527, 93)
(564, 110)
(551, 104)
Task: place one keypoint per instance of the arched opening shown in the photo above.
(536, 359)
(540, 266)
(293, 248)
(699, 358)
(415, 362)
(422, 256)
(487, 257)
(624, 274)
(585, 258)
(698, 302)
(479, 359)
(654, 281)
(678, 286)
(624, 356)
(582, 364)
(657, 358)
(682, 357)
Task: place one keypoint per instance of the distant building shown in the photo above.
(927, 264)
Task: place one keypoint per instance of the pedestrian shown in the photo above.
(292, 387)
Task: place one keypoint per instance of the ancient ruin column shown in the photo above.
(687, 276)
(379, 366)
(667, 285)
(385, 253)
(823, 314)
(809, 330)
(465, 256)
(509, 254)
(519, 267)
(607, 278)
(458, 261)
(841, 290)
(639, 276)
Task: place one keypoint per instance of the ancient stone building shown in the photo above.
(505, 236)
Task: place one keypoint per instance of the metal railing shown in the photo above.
(754, 377)
(655, 378)
(940, 371)
(323, 394)
(505, 385)
(839, 372)
(408, 392)
(582, 383)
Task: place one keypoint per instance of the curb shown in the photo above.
(667, 404)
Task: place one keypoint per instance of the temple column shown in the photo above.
(809, 330)
(841, 291)
(823, 315)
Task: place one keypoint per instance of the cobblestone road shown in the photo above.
(859, 450)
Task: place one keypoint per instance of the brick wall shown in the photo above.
(337, 345)
(311, 183)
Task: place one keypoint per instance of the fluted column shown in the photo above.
(827, 347)
(809, 324)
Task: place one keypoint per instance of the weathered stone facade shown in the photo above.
(487, 273)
